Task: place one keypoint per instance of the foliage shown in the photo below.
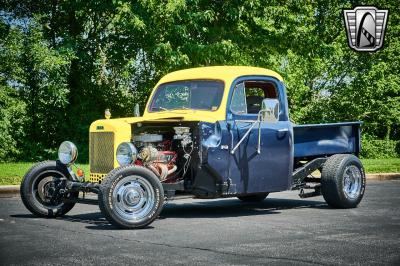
(12, 109)
(12, 119)
(64, 62)
(375, 149)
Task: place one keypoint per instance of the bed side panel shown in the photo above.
(326, 139)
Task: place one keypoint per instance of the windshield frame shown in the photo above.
(149, 109)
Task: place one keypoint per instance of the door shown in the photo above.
(268, 168)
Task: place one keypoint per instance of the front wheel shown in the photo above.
(343, 181)
(40, 189)
(131, 197)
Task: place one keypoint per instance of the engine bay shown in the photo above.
(168, 150)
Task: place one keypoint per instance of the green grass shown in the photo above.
(12, 173)
(382, 165)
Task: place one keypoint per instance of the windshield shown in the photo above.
(190, 94)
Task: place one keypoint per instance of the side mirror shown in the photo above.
(270, 110)
(136, 111)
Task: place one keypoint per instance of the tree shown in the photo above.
(67, 61)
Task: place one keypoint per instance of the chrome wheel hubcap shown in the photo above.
(133, 198)
(352, 181)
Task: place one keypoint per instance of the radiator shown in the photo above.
(101, 152)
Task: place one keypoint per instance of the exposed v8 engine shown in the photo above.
(158, 154)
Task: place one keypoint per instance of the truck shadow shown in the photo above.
(220, 208)
(234, 208)
(95, 218)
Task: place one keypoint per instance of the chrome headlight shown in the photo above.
(67, 152)
(126, 153)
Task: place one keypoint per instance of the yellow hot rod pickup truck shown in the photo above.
(207, 132)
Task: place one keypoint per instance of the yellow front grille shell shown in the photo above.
(105, 136)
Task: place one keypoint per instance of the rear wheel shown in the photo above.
(343, 181)
(131, 197)
(253, 198)
(40, 189)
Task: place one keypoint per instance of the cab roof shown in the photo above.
(218, 72)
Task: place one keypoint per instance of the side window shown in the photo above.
(254, 98)
(247, 96)
(256, 91)
(238, 103)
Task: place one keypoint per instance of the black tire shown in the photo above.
(29, 189)
(136, 180)
(253, 198)
(336, 183)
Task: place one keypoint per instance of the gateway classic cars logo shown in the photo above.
(365, 27)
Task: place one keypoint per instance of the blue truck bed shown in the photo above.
(315, 140)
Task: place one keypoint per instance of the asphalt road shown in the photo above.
(281, 230)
